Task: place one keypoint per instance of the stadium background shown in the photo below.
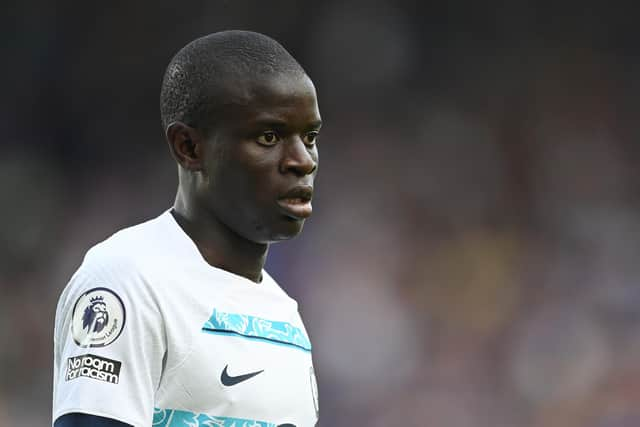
(473, 259)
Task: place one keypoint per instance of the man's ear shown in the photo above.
(186, 145)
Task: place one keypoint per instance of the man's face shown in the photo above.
(261, 159)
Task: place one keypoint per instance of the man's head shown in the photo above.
(241, 118)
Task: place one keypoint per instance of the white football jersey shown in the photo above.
(150, 334)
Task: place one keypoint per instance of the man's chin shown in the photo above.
(287, 230)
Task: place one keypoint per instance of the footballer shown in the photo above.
(175, 322)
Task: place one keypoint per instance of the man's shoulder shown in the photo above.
(129, 247)
(272, 283)
(118, 267)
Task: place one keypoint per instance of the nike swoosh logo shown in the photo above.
(230, 380)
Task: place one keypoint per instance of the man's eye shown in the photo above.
(268, 138)
(310, 138)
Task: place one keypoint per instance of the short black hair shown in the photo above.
(196, 73)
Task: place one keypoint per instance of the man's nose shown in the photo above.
(298, 158)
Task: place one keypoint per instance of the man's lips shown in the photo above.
(297, 202)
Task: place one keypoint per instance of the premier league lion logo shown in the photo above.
(98, 318)
(95, 316)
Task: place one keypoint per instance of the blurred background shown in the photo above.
(474, 255)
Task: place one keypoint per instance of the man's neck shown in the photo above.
(220, 246)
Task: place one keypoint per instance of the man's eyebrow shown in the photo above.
(270, 122)
(278, 123)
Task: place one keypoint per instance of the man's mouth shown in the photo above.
(297, 202)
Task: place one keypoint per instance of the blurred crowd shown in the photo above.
(474, 255)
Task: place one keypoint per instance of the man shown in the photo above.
(174, 321)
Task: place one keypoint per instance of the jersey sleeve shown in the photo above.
(109, 344)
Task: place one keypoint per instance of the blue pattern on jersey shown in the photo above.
(257, 328)
(176, 418)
